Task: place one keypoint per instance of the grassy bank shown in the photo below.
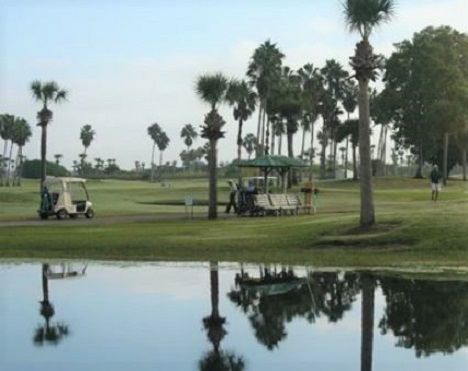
(412, 230)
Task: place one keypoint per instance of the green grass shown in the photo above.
(412, 231)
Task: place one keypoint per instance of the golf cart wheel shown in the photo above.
(44, 216)
(90, 213)
(62, 214)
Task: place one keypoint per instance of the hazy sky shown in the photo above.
(128, 64)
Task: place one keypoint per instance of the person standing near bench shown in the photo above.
(435, 186)
(232, 197)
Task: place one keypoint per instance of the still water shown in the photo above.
(76, 316)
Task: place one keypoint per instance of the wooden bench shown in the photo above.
(295, 201)
(263, 206)
(280, 201)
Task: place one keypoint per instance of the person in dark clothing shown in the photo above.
(232, 197)
(435, 179)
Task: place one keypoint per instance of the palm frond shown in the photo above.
(212, 88)
(363, 15)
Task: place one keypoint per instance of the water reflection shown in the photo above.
(251, 317)
(277, 295)
(427, 316)
(52, 332)
(217, 359)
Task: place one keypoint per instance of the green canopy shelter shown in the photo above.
(267, 163)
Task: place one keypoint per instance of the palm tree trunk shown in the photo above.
(280, 144)
(9, 165)
(2, 170)
(303, 142)
(346, 158)
(152, 163)
(259, 126)
(464, 163)
(367, 217)
(264, 123)
(418, 174)
(20, 165)
(213, 201)
(445, 164)
(291, 155)
(43, 154)
(239, 149)
(323, 155)
(355, 172)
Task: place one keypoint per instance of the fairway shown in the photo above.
(148, 221)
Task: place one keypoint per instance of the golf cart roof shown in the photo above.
(53, 179)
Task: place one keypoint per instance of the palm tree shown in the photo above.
(7, 123)
(212, 89)
(162, 141)
(87, 135)
(334, 77)
(58, 156)
(46, 92)
(363, 16)
(153, 131)
(349, 104)
(188, 133)
(264, 71)
(243, 98)
(249, 143)
(21, 136)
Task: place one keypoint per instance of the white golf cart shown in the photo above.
(65, 197)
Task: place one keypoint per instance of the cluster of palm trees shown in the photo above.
(285, 101)
(161, 140)
(14, 131)
(289, 99)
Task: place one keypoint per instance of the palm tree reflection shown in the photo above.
(367, 320)
(217, 359)
(279, 295)
(53, 333)
(48, 333)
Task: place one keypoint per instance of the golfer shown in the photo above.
(435, 185)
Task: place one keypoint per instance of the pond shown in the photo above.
(215, 316)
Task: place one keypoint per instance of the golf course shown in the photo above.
(143, 221)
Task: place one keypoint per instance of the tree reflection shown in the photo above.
(367, 320)
(217, 359)
(278, 296)
(429, 316)
(48, 333)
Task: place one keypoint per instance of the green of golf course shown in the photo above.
(142, 221)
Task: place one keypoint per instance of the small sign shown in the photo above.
(188, 201)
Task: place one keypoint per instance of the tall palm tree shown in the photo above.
(249, 144)
(240, 95)
(162, 141)
(334, 77)
(362, 16)
(87, 136)
(264, 71)
(154, 132)
(312, 86)
(21, 136)
(46, 93)
(211, 89)
(188, 133)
